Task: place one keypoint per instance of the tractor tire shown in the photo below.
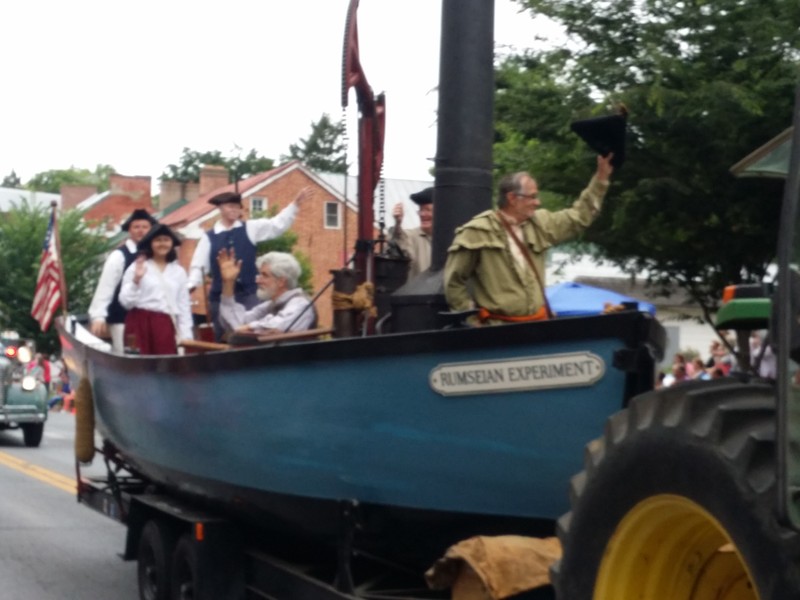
(32, 434)
(156, 545)
(677, 500)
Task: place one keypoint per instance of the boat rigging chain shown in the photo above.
(381, 211)
(346, 143)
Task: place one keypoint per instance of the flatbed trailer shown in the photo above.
(208, 556)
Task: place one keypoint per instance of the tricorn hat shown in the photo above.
(604, 135)
(423, 197)
(139, 214)
(226, 198)
(159, 229)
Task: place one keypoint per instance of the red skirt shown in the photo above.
(150, 332)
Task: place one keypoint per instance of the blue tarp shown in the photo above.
(569, 299)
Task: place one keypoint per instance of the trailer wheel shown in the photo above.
(677, 501)
(184, 570)
(153, 568)
(32, 434)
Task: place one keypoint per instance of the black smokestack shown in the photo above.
(463, 171)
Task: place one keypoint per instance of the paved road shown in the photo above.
(52, 548)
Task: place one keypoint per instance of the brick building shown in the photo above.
(112, 207)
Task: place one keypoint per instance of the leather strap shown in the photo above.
(526, 253)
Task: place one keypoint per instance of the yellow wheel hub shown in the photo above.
(669, 547)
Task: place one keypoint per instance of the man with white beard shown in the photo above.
(284, 307)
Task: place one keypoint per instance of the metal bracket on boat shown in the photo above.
(348, 523)
(630, 360)
(455, 319)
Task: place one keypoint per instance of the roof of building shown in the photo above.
(199, 208)
(191, 214)
(171, 208)
(391, 191)
(565, 266)
(638, 288)
(14, 198)
(92, 200)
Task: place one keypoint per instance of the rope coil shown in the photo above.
(361, 299)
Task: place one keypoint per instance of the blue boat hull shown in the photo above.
(469, 422)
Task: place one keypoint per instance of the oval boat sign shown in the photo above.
(574, 369)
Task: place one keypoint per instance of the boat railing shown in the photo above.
(245, 339)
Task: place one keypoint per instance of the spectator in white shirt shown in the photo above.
(285, 307)
(155, 292)
(106, 314)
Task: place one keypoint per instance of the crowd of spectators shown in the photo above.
(721, 361)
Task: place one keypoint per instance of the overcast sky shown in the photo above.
(131, 84)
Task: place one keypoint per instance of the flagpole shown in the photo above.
(63, 278)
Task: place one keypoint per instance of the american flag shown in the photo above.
(48, 284)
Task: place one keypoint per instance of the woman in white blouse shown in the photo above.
(156, 295)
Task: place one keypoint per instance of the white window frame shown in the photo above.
(260, 199)
(325, 215)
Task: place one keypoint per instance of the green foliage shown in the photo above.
(250, 165)
(21, 236)
(286, 243)
(533, 109)
(705, 84)
(11, 181)
(188, 167)
(324, 149)
(51, 181)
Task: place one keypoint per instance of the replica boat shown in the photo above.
(399, 444)
(475, 428)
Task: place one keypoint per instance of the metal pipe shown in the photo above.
(463, 172)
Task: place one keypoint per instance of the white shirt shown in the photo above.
(110, 277)
(158, 291)
(232, 314)
(258, 230)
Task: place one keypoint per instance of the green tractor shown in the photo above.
(693, 491)
(23, 398)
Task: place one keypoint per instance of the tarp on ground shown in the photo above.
(570, 299)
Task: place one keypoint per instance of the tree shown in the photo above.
(21, 236)
(533, 109)
(51, 181)
(188, 167)
(324, 149)
(705, 84)
(11, 181)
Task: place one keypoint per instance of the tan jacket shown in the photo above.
(480, 257)
(417, 245)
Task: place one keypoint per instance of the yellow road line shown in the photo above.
(62, 482)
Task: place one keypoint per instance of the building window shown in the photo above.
(257, 204)
(332, 215)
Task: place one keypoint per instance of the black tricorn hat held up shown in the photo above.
(226, 198)
(139, 214)
(423, 197)
(604, 135)
(157, 230)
